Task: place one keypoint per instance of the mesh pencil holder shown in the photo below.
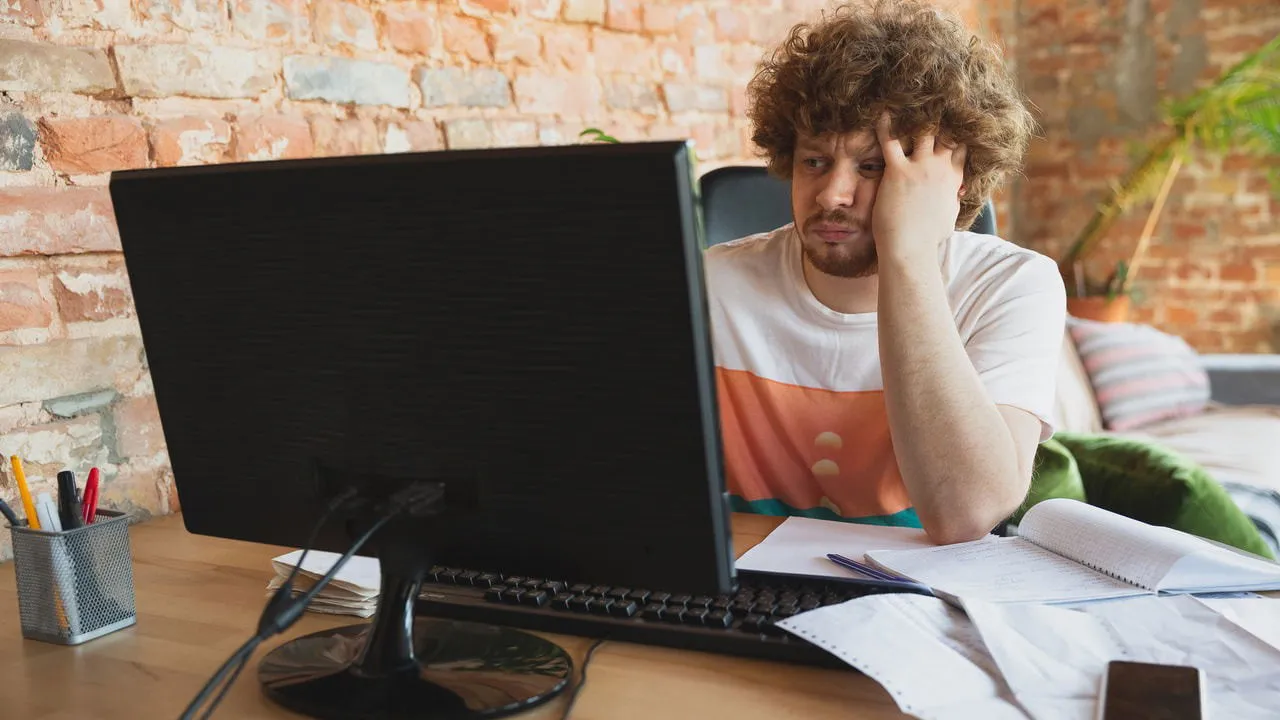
(75, 585)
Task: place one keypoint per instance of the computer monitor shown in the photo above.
(527, 326)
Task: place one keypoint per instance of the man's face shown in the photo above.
(834, 180)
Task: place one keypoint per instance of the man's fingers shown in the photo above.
(924, 146)
(890, 146)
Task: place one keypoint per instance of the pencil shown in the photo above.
(20, 478)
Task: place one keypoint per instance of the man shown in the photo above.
(875, 363)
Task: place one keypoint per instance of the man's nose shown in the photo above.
(838, 192)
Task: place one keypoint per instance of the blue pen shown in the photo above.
(864, 569)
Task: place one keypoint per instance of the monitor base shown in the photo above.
(462, 670)
(402, 666)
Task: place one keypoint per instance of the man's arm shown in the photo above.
(965, 460)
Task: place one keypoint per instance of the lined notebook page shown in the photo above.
(1124, 548)
(1002, 570)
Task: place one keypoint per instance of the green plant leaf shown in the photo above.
(1239, 112)
(599, 135)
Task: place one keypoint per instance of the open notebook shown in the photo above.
(1069, 551)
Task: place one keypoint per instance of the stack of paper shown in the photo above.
(353, 591)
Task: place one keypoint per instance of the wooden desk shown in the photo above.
(198, 599)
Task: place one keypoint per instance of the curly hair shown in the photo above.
(931, 74)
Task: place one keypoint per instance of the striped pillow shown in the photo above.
(1139, 374)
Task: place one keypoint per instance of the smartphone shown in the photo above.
(1149, 691)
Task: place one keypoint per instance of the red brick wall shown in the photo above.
(1096, 72)
(91, 86)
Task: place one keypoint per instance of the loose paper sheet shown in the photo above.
(800, 546)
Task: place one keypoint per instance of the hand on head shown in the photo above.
(918, 199)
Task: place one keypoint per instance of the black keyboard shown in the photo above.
(741, 624)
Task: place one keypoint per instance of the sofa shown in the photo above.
(1235, 437)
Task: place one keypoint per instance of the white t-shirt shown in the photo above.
(802, 412)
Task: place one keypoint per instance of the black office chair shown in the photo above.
(740, 200)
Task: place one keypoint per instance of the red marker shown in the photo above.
(90, 504)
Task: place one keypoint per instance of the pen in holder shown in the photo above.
(75, 585)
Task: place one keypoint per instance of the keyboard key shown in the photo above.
(599, 590)
(512, 596)
(532, 584)
(659, 597)
(580, 589)
(601, 605)
(719, 619)
(754, 622)
(434, 573)
(515, 580)
(494, 594)
(468, 577)
(653, 611)
(679, 600)
(673, 613)
(618, 593)
(450, 575)
(696, 616)
(487, 580)
(740, 607)
(640, 596)
(561, 601)
(623, 608)
(722, 603)
(535, 598)
(581, 603)
(701, 601)
(552, 587)
(782, 612)
(810, 604)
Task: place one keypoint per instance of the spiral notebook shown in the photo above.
(1069, 551)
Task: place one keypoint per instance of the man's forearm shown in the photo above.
(955, 452)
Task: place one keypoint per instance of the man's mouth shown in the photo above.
(833, 233)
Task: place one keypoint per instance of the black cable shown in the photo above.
(283, 609)
(240, 654)
(582, 678)
(337, 502)
(244, 660)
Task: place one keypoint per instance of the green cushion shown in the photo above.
(1055, 475)
(1152, 483)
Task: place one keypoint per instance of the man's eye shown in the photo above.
(813, 163)
(871, 167)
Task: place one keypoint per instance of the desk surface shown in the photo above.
(198, 599)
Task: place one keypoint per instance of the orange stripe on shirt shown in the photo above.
(808, 447)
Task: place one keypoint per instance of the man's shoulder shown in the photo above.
(749, 250)
(976, 256)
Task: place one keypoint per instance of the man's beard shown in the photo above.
(855, 259)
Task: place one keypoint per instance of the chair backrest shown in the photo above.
(740, 200)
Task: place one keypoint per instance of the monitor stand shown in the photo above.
(399, 668)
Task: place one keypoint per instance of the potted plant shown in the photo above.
(1238, 112)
